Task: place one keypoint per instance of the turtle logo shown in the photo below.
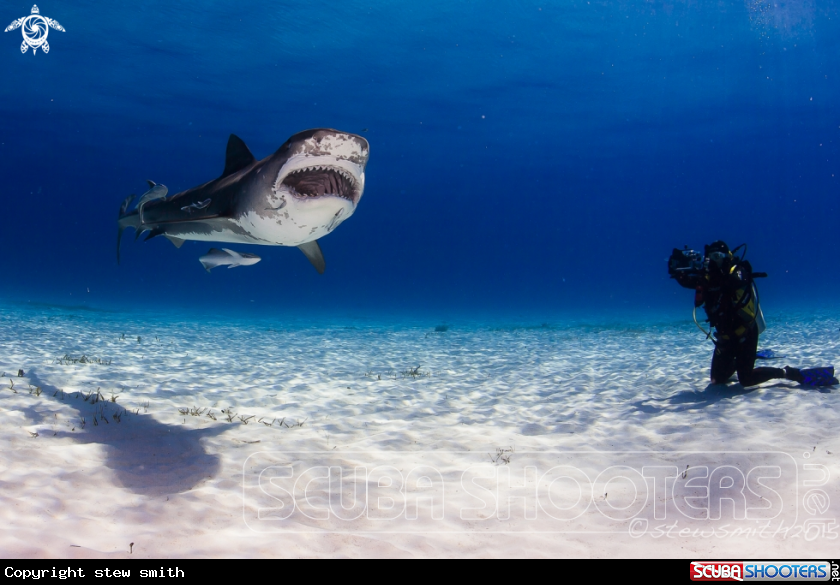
(35, 28)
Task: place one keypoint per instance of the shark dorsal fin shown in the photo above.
(237, 156)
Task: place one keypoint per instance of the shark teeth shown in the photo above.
(346, 174)
(320, 180)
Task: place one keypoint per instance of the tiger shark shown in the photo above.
(293, 197)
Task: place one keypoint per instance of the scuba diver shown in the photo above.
(724, 285)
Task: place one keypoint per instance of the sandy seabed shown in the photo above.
(190, 438)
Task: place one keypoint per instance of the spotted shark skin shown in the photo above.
(293, 197)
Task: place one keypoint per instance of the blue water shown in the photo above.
(528, 159)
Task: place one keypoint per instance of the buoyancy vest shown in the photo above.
(732, 305)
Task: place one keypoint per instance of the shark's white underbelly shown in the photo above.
(293, 226)
(222, 236)
(276, 228)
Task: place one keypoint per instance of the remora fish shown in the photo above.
(229, 258)
(199, 205)
(297, 195)
(155, 192)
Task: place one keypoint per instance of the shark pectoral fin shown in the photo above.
(237, 156)
(313, 252)
(232, 253)
(177, 241)
(152, 184)
(207, 266)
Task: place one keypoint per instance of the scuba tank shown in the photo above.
(745, 298)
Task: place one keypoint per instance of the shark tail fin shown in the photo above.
(209, 264)
(123, 221)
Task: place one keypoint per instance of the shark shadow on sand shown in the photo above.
(146, 456)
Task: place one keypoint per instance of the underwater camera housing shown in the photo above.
(686, 267)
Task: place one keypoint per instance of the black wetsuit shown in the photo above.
(731, 309)
(739, 356)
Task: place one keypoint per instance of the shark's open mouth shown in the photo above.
(321, 180)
